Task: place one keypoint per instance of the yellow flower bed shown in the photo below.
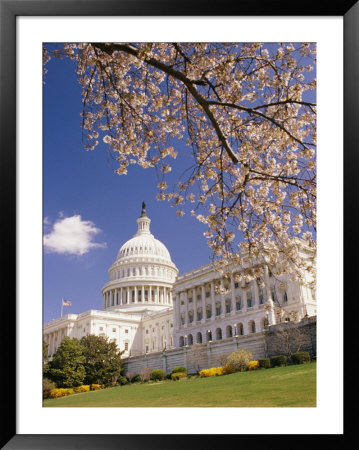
(83, 388)
(213, 371)
(94, 387)
(253, 365)
(178, 375)
(61, 392)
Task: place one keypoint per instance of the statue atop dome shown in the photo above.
(143, 212)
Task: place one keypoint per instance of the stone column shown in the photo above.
(223, 303)
(150, 294)
(128, 300)
(203, 303)
(186, 308)
(271, 314)
(135, 291)
(213, 301)
(194, 296)
(143, 293)
(158, 294)
(177, 309)
(256, 294)
(121, 296)
(233, 297)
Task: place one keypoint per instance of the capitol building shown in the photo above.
(148, 308)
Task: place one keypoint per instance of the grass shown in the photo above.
(289, 386)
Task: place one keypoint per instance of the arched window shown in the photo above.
(218, 334)
(252, 326)
(285, 297)
(229, 331)
(240, 330)
(208, 311)
(274, 296)
(199, 314)
(218, 309)
(181, 341)
(199, 338)
(209, 335)
(190, 339)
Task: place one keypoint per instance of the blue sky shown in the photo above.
(81, 185)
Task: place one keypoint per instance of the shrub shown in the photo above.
(47, 386)
(300, 357)
(178, 376)
(122, 380)
(62, 392)
(240, 359)
(213, 371)
(179, 369)
(169, 376)
(264, 363)
(253, 365)
(157, 374)
(278, 361)
(83, 388)
(129, 375)
(136, 378)
(146, 373)
(228, 369)
(94, 387)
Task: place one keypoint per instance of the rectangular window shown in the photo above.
(208, 294)
(228, 308)
(199, 297)
(126, 331)
(199, 315)
(182, 302)
(249, 301)
(238, 305)
(126, 346)
(190, 300)
(114, 330)
(209, 313)
(236, 284)
(218, 311)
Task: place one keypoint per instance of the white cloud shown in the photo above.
(72, 235)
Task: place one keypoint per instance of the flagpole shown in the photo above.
(62, 305)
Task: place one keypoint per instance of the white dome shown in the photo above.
(143, 245)
(143, 274)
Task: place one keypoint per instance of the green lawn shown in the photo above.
(280, 386)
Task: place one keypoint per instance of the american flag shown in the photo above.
(66, 302)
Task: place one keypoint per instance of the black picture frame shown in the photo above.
(9, 10)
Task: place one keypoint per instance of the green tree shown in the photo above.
(67, 367)
(103, 363)
(45, 349)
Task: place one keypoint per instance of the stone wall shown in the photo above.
(199, 356)
(202, 356)
(290, 336)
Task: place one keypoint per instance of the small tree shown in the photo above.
(289, 339)
(67, 367)
(194, 357)
(103, 361)
(222, 359)
(240, 359)
(146, 373)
